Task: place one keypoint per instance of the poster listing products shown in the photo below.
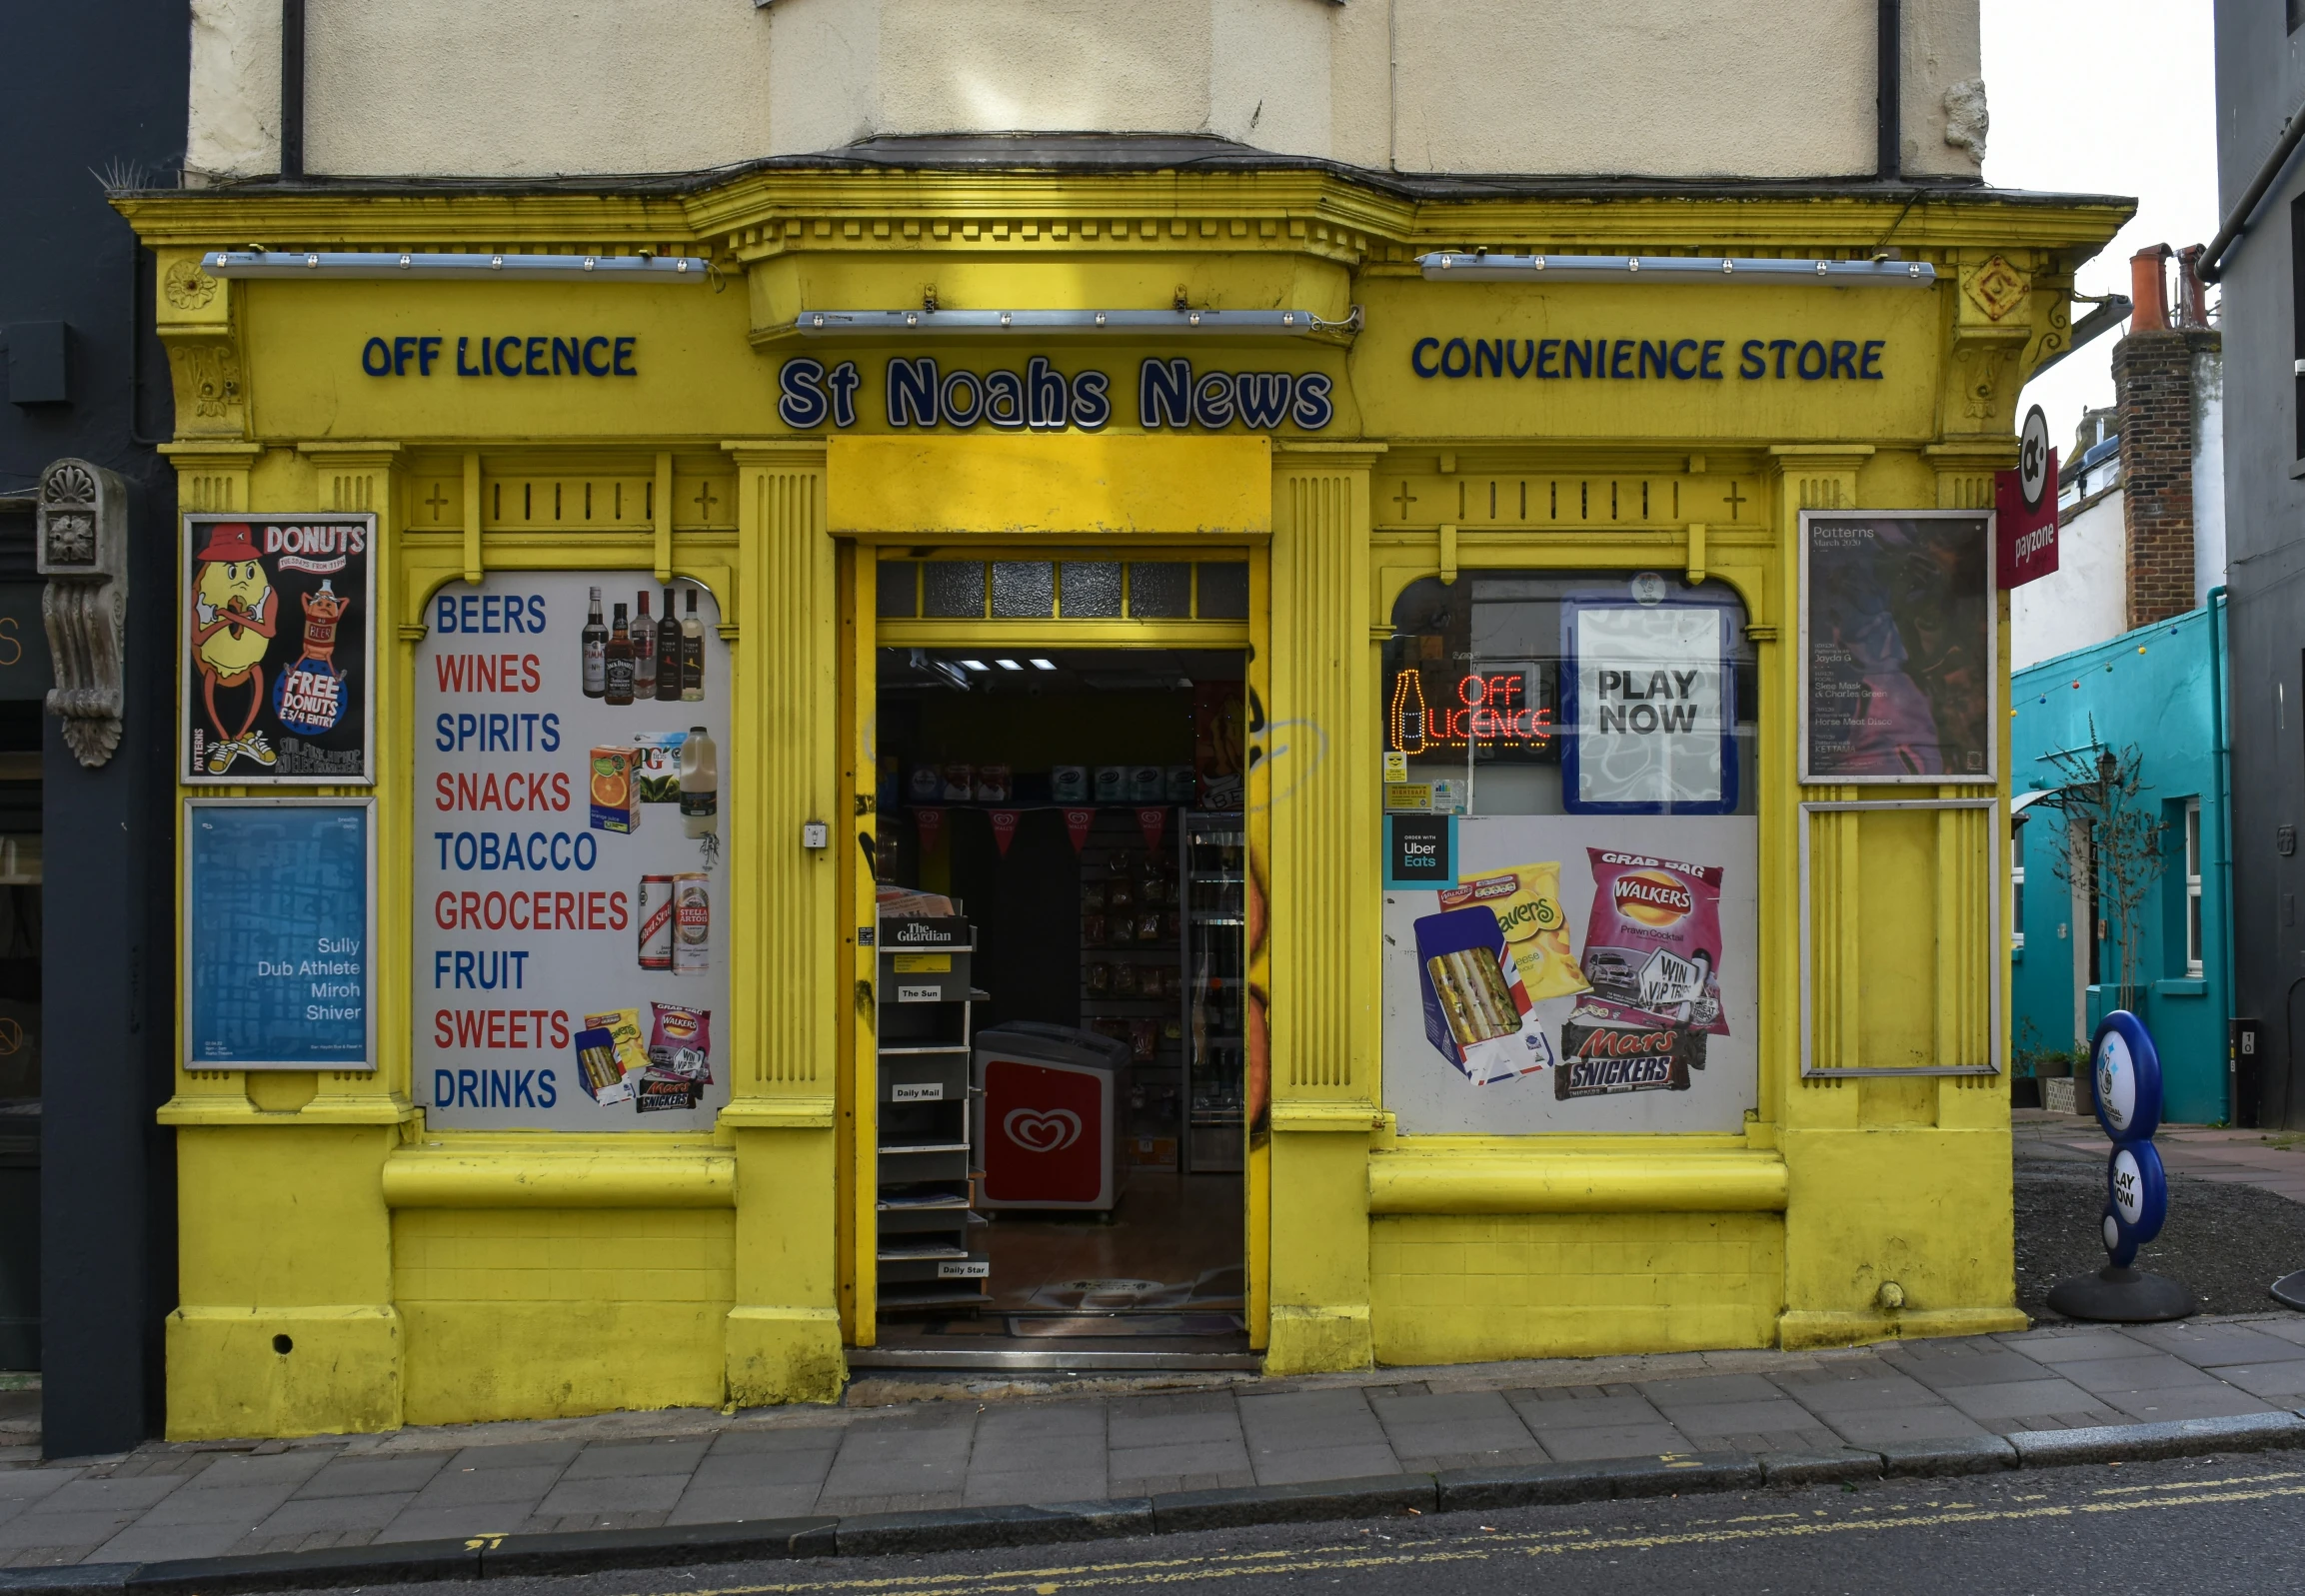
(1582, 974)
(571, 966)
(1897, 648)
(278, 650)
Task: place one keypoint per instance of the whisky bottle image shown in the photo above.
(644, 651)
(618, 661)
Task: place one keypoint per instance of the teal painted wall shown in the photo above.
(2150, 688)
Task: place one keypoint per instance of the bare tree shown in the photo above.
(2112, 843)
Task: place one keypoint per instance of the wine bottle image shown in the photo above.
(643, 650)
(596, 651)
(692, 653)
(669, 653)
(617, 662)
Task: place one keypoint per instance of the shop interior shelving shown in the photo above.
(926, 1251)
(1134, 998)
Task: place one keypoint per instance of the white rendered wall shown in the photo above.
(2085, 600)
(531, 87)
(2208, 473)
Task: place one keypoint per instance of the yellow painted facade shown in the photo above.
(424, 1275)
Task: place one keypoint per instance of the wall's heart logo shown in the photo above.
(1039, 1132)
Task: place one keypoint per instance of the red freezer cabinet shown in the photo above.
(1044, 1109)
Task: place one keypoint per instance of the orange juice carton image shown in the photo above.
(615, 800)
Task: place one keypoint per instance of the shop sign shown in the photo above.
(1897, 660)
(278, 650)
(572, 899)
(1622, 360)
(279, 933)
(2025, 508)
(920, 392)
(509, 355)
(1574, 973)
(1649, 702)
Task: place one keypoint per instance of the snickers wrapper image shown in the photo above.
(1609, 1048)
(1478, 1014)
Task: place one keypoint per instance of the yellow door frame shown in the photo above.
(863, 633)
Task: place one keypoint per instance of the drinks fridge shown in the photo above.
(1215, 884)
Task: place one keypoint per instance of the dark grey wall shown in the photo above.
(95, 91)
(2260, 82)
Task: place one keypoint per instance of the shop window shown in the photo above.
(1160, 590)
(898, 589)
(953, 589)
(2192, 824)
(2297, 305)
(1572, 853)
(2017, 890)
(1090, 590)
(1225, 592)
(1023, 590)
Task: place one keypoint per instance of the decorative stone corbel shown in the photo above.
(83, 551)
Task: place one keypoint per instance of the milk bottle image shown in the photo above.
(699, 783)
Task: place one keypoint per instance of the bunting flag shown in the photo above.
(931, 824)
(1004, 827)
(1152, 822)
(1076, 825)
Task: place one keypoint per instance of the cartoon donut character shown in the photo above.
(235, 613)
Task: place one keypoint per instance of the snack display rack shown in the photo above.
(1212, 882)
(1131, 981)
(925, 1250)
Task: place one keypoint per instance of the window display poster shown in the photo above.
(1897, 648)
(1584, 973)
(278, 923)
(278, 650)
(571, 945)
(1648, 709)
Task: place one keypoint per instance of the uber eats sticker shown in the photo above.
(1648, 707)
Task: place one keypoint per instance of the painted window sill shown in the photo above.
(2193, 986)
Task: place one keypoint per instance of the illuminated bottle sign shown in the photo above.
(1492, 713)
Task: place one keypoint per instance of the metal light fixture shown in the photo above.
(456, 268)
(1257, 322)
(1449, 266)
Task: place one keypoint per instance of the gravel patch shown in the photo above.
(2225, 1240)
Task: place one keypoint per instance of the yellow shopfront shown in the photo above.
(1486, 781)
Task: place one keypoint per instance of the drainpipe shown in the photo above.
(2217, 780)
(292, 88)
(1889, 119)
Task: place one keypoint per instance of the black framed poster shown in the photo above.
(277, 659)
(1897, 648)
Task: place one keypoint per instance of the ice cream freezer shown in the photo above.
(1043, 1110)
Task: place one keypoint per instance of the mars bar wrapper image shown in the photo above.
(1608, 1049)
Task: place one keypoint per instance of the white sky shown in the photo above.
(2114, 97)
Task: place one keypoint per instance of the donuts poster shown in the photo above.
(1579, 973)
(278, 651)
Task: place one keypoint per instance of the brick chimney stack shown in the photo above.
(2153, 388)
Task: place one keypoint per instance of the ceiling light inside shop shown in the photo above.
(1044, 665)
(975, 664)
(1007, 664)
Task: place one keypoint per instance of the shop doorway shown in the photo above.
(1069, 1192)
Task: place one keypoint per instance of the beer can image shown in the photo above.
(656, 922)
(691, 925)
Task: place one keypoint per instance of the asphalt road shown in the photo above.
(2202, 1526)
